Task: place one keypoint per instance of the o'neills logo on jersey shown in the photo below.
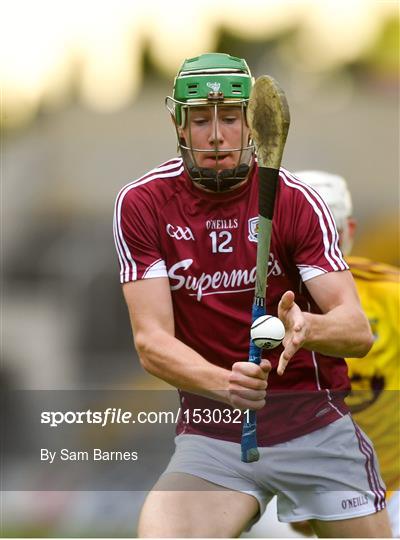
(235, 281)
(222, 224)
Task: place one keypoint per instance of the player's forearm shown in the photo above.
(340, 332)
(169, 359)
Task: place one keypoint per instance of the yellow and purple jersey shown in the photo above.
(375, 397)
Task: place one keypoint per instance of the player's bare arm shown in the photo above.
(341, 330)
(166, 357)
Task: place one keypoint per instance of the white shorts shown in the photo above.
(329, 474)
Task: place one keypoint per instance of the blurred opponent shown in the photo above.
(374, 401)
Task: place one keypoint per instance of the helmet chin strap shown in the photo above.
(218, 181)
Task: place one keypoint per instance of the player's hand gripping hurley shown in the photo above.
(269, 119)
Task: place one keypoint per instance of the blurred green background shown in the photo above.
(82, 111)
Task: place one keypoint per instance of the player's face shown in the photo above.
(219, 132)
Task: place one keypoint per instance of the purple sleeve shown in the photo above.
(315, 237)
(136, 236)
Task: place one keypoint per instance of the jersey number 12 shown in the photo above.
(220, 241)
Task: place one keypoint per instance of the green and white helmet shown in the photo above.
(212, 80)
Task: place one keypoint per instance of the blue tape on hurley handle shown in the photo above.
(249, 434)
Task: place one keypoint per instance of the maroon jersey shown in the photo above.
(205, 243)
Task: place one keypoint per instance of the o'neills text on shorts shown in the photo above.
(354, 502)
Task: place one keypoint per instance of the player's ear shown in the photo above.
(181, 135)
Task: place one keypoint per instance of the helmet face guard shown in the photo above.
(214, 81)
